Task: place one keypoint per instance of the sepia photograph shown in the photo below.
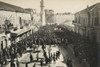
(49, 33)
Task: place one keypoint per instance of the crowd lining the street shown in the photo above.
(84, 49)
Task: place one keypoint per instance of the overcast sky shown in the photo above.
(57, 5)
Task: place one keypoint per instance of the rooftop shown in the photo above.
(9, 7)
(97, 5)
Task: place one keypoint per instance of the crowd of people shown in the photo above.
(16, 50)
(69, 62)
(47, 35)
(51, 57)
(84, 48)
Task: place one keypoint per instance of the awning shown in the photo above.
(19, 32)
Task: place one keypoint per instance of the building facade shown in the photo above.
(61, 18)
(12, 17)
(35, 19)
(65, 19)
(87, 22)
(49, 17)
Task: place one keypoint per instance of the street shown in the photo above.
(26, 59)
(49, 33)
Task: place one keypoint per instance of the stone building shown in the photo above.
(11, 15)
(35, 17)
(49, 17)
(87, 22)
(65, 19)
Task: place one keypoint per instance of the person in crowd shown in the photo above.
(43, 47)
(46, 60)
(34, 65)
(54, 58)
(58, 54)
(41, 62)
(12, 64)
(37, 56)
(31, 57)
(69, 62)
(44, 53)
(51, 57)
(34, 47)
(17, 63)
(26, 65)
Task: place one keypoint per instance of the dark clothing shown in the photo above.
(17, 63)
(69, 63)
(12, 64)
(41, 62)
(26, 65)
(31, 57)
(54, 59)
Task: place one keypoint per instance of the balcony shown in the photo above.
(77, 24)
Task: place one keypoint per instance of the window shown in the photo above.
(32, 18)
(79, 19)
(92, 21)
(20, 21)
(1, 45)
(96, 21)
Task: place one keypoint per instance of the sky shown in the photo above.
(60, 6)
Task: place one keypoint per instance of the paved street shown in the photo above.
(26, 58)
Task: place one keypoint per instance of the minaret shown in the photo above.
(42, 14)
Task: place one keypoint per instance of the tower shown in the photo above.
(42, 14)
